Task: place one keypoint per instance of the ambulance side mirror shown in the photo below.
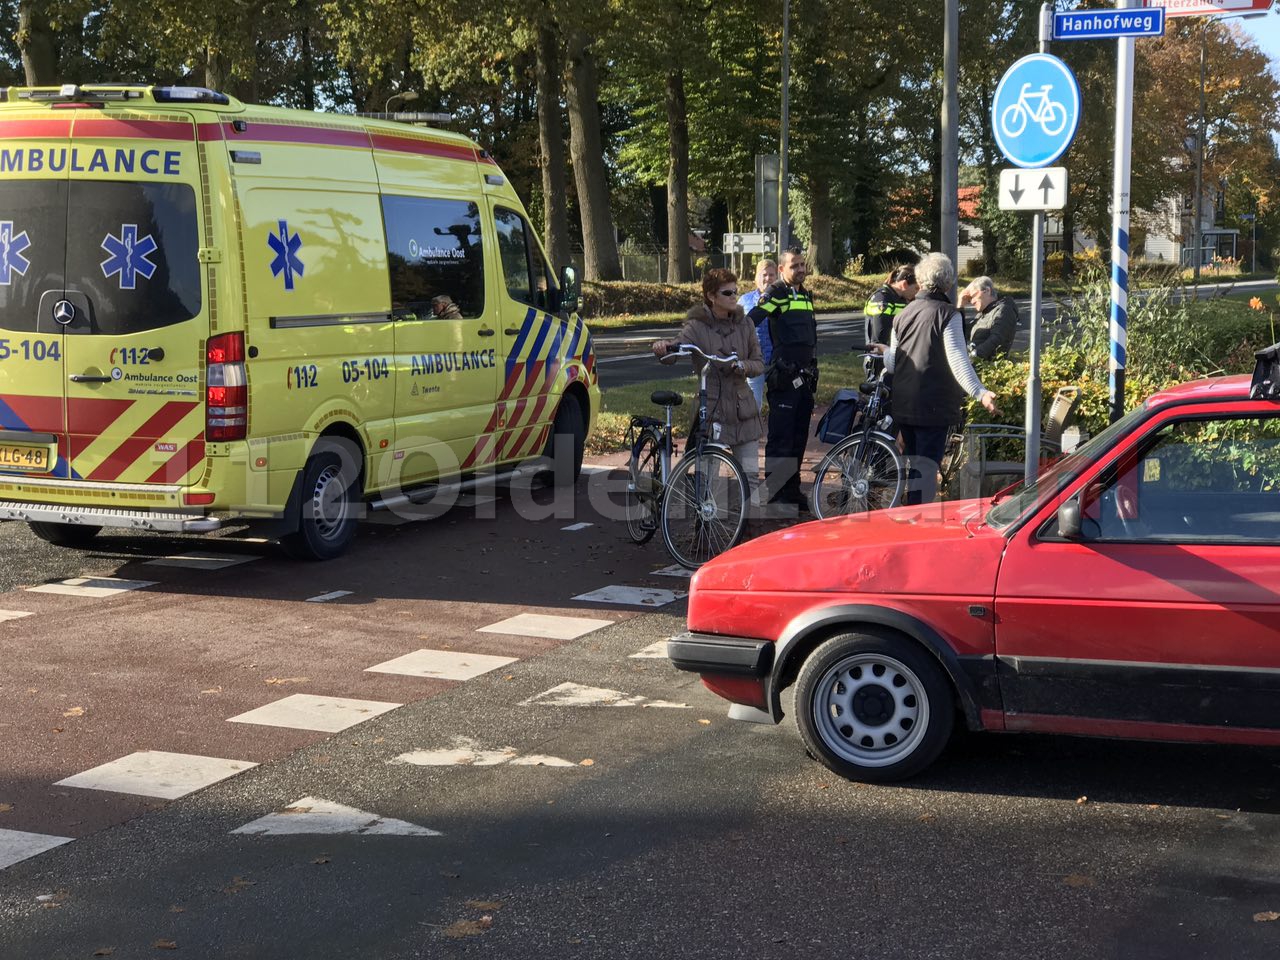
(570, 291)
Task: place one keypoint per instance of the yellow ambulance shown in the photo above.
(213, 312)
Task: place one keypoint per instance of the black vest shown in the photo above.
(925, 392)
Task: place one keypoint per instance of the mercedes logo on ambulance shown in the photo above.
(64, 311)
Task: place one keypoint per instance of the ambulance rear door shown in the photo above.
(33, 227)
(133, 349)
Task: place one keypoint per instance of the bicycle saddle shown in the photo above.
(867, 387)
(666, 398)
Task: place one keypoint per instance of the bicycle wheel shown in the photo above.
(704, 507)
(644, 487)
(1014, 120)
(852, 480)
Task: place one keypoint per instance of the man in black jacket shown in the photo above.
(996, 321)
(791, 378)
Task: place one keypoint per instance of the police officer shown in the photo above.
(791, 378)
(885, 304)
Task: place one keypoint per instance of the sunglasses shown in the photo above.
(728, 293)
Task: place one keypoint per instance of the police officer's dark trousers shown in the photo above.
(789, 412)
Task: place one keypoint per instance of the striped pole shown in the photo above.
(1120, 219)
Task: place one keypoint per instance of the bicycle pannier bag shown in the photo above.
(1266, 374)
(837, 423)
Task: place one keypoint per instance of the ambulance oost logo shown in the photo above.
(11, 259)
(127, 256)
(286, 247)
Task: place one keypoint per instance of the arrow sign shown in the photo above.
(1047, 191)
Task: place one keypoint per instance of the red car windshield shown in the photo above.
(1024, 497)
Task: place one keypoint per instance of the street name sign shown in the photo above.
(1104, 24)
(1044, 189)
(1036, 110)
(1209, 8)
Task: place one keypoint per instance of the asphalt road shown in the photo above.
(623, 357)
(642, 825)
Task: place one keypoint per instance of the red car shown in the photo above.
(1132, 591)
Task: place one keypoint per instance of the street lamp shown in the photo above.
(407, 95)
(1198, 240)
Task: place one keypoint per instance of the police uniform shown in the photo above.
(791, 379)
(885, 304)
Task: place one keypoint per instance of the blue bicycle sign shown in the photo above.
(1036, 110)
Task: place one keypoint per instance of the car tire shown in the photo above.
(328, 500)
(64, 534)
(567, 443)
(874, 708)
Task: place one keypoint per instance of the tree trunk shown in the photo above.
(600, 244)
(991, 184)
(679, 269)
(819, 253)
(555, 201)
(308, 60)
(217, 70)
(35, 40)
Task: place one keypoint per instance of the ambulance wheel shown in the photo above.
(567, 443)
(64, 534)
(329, 497)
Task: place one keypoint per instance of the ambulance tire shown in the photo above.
(567, 443)
(328, 501)
(64, 534)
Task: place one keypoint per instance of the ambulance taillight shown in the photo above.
(226, 389)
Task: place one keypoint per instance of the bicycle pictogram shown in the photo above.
(1049, 114)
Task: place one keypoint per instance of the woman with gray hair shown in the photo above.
(931, 373)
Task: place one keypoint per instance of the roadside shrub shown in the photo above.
(975, 267)
(616, 297)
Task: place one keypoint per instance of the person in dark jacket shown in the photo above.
(996, 321)
(791, 377)
(886, 303)
(931, 373)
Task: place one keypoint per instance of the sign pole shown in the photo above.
(1120, 219)
(1031, 465)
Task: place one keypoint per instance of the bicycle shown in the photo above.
(1049, 114)
(701, 504)
(863, 471)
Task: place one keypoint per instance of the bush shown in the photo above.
(975, 267)
(632, 297)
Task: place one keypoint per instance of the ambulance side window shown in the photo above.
(524, 270)
(434, 253)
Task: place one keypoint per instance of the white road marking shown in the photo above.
(574, 527)
(442, 664)
(17, 845)
(465, 753)
(577, 695)
(12, 615)
(304, 711)
(331, 595)
(316, 816)
(632, 596)
(198, 560)
(675, 570)
(599, 468)
(654, 651)
(546, 626)
(155, 773)
(92, 586)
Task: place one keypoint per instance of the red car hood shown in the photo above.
(942, 548)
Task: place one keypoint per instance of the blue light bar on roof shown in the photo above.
(189, 95)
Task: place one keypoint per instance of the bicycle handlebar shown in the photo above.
(692, 349)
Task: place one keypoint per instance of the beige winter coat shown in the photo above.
(730, 401)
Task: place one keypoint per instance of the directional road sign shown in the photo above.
(1102, 24)
(1208, 8)
(1036, 110)
(749, 242)
(1033, 189)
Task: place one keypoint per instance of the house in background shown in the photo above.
(1171, 233)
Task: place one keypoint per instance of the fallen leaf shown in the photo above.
(57, 729)
(509, 676)
(104, 951)
(237, 884)
(280, 680)
(166, 945)
(587, 762)
(485, 904)
(1266, 916)
(74, 712)
(926, 817)
(6, 807)
(1082, 800)
(177, 909)
(468, 928)
(320, 860)
(211, 690)
(705, 723)
(1077, 880)
(296, 810)
(33, 689)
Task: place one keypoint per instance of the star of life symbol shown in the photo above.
(128, 255)
(11, 259)
(286, 247)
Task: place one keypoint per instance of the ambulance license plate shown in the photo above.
(19, 457)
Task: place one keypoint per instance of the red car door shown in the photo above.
(1161, 617)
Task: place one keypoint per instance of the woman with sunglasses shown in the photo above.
(719, 327)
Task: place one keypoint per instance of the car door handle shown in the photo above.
(486, 332)
(86, 378)
(512, 331)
